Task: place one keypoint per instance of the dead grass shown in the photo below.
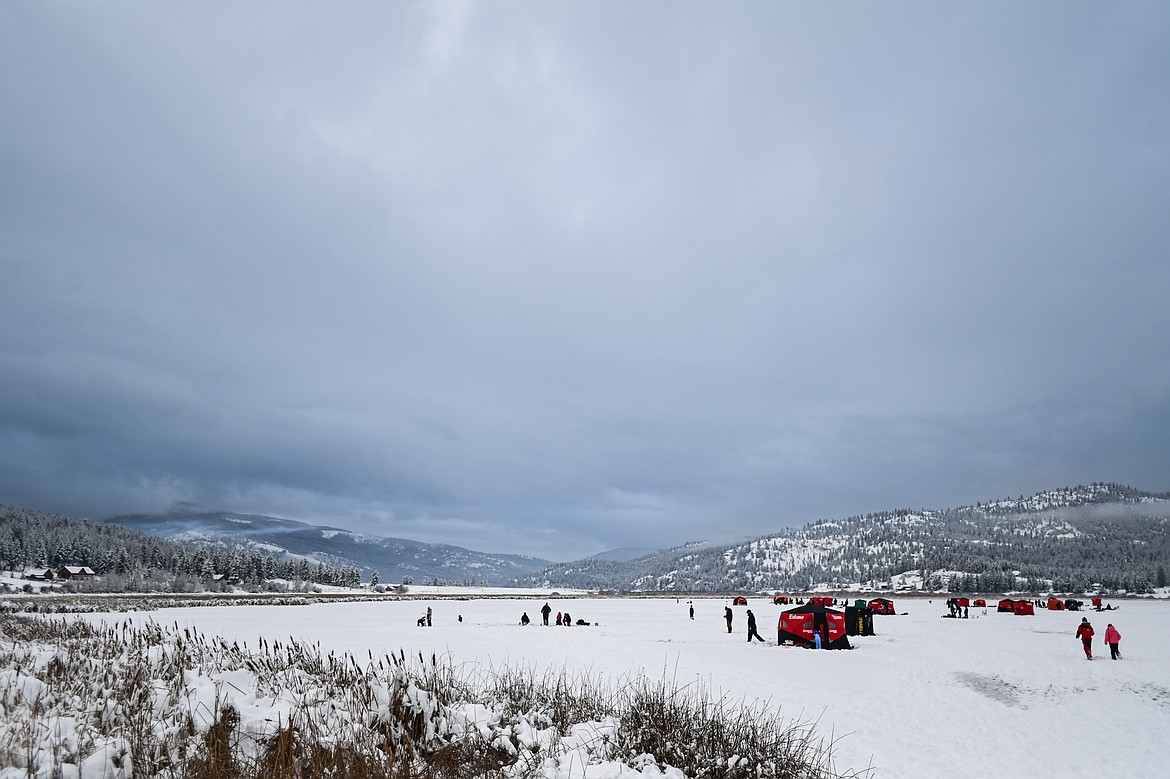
(391, 717)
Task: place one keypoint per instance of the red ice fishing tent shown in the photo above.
(801, 625)
(1024, 607)
(1008, 605)
(1055, 604)
(882, 606)
(979, 602)
(1097, 602)
(739, 600)
(963, 603)
(821, 600)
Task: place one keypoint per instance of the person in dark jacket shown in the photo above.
(727, 615)
(752, 632)
(545, 610)
(1085, 634)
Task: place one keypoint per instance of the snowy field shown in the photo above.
(995, 695)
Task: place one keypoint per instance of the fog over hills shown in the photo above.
(1096, 537)
(394, 559)
(1065, 539)
(1070, 539)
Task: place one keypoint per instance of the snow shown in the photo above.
(993, 695)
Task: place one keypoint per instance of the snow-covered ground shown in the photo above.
(995, 695)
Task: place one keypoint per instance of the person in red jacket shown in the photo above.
(1113, 638)
(1085, 634)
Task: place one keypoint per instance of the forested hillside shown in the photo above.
(132, 561)
(1101, 536)
(392, 559)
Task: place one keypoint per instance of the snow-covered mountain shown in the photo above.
(394, 559)
(1100, 536)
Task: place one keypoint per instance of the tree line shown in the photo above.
(129, 560)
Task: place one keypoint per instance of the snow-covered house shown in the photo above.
(38, 574)
(75, 572)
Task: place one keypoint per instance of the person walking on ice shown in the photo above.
(1085, 634)
(752, 632)
(727, 615)
(1113, 639)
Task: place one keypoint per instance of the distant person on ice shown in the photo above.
(692, 609)
(1085, 634)
(752, 633)
(428, 616)
(558, 618)
(1113, 639)
(524, 620)
(545, 610)
(567, 620)
(727, 615)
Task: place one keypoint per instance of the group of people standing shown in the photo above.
(546, 611)
(729, 617)
(957, 611)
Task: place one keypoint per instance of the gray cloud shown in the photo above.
(551, 280)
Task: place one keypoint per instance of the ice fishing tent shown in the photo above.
(858, 620)
(1023, 607)
(1008, 605)
(739, 600)
(963, 603)
(780, 599)
(861, 603)
(882, 606)
(1055, 604)
(821, 600)
(979, 602)
(801, 624)
(1072, 604)
(1097, 602)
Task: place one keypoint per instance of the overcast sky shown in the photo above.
(554, 278)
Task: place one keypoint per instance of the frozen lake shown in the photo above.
(995, 695)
